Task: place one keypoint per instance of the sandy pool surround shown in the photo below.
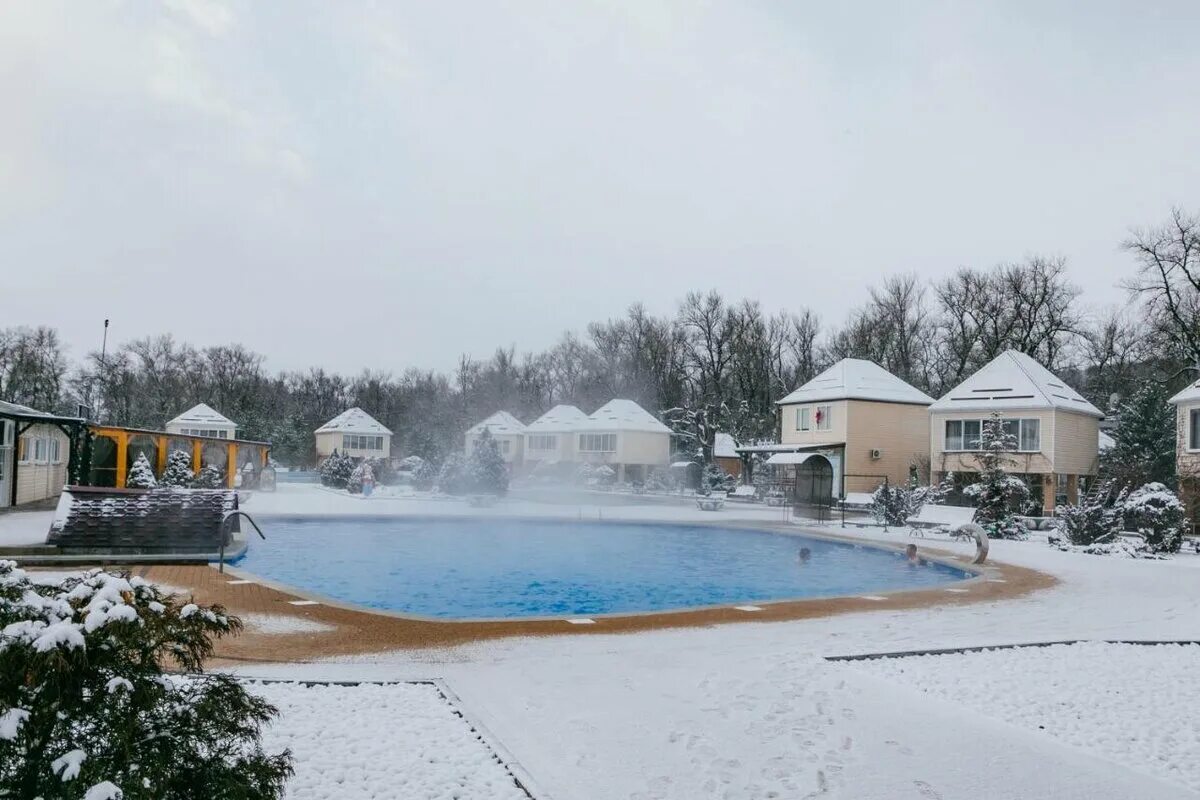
(356, 629)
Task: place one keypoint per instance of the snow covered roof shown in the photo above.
(353, 420)
(624, 415)
(557, 420)
(723, 445)
(857, 379)
(1106, 442)
(203, 414)
(1013, 380)
(501, 423)
(1190, 393)
(18, 410)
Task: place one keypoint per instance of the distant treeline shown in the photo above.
(712, 351)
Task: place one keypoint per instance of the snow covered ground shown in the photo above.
(382, 742)
(754, 711)
(1128, 703)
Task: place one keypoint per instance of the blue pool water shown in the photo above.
(463, 569)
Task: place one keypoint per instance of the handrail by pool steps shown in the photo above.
(226, 529)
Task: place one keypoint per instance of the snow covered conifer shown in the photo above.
(1145, 439)
(997, 494)
(1089, 523)
(210, 477)
(178, 471)
(1157, 514)
(141, 474)
(452, 478)
(336, 470)
(486, 470)
(86, 702)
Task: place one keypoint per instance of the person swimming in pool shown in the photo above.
(805, 555)
(910, 553)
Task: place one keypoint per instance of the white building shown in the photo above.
(507, 430)
(550, 439)
(203, 420)
(356, 433)
(626, 437)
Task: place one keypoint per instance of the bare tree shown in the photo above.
(1168, 279)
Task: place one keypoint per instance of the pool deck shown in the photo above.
(354, 630)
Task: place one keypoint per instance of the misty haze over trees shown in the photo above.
(713, 351)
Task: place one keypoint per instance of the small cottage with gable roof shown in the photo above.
(1057, 430)
(356, 433)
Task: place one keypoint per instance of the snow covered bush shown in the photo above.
(425, 476)
(452, 479)
(141, 474)
(360, 475)
(892, 505)
(715, 479)
(336, 469)
(179, 470)
(604, 475)
(997, 494)
(1088, 524)
(210, 477)
(486, 471)
(1157, 514)
(661, 480)
(87, 709)
(385, 474)
(411, 464)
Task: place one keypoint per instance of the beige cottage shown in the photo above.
(626, 437)
(848, 429)
(356, 433)
(1057, 430)
(507, 430)
(550, 439)
(1187, 446)
(34, 455)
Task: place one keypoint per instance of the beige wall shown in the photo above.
(329, 441)
(899, 430)
(564, 449)
(1187, 461)
(633, 447)
(837, 424)
(516, 446)
(1069, 444)
(39, 481)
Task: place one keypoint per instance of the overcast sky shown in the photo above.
(391, 184)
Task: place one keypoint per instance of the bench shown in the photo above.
(858, 500)
(712, 502)
(934, 516)
(776, 500)
(743, 494)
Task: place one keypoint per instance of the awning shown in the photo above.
(790, 458)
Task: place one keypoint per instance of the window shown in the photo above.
(597, 442)
(966, 434)
(55, 455)
(803, 419)
(543, 442)
(211, 433)
(823, 418)
(354, 441)
(1194, 429)
(33, 449)
(6, 432)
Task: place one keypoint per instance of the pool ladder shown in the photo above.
(227, 528)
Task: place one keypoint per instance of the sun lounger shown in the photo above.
(940, 517)
(712, 502)
(743, 494)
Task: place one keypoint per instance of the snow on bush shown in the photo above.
(87, 709)
(452, 479)
(486, 471)
(141, 474)
(893, 505)
(179, 470)
(210, 477)
(1088, 523)
(1157, 514)
(661, 480)
(336, 470)
(715, 479)
(425, 476)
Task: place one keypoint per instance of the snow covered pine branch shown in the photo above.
(87, 709)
